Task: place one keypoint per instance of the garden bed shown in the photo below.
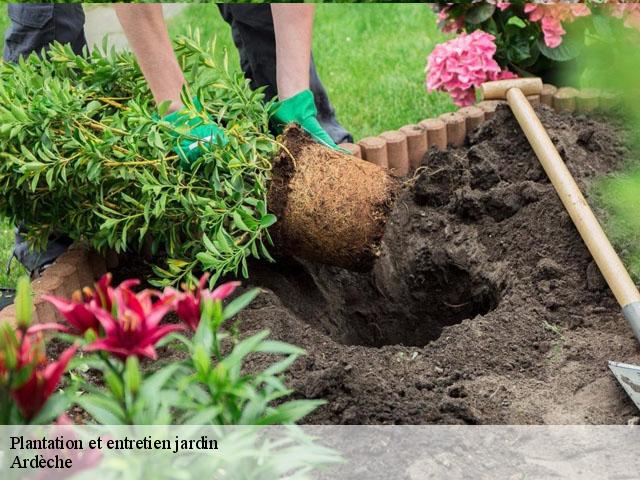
(484, 307)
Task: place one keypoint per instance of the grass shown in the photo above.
(8, 278)
(4, 23)
(372, 58)
(619, 194)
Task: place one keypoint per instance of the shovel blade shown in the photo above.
(629, 377)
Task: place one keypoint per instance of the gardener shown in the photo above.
(147, 34)
(35, 26)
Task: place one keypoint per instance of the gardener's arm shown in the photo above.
(147, 34)
(293, 26)
(293, 23)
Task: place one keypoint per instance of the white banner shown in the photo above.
(320, 452)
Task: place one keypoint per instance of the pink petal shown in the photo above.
(224, 290)
(53, 372)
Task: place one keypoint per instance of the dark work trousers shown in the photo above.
(35, 26)
(253, 34)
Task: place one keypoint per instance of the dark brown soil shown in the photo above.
(483, 307)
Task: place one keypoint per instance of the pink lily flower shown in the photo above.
(188, 302)
(77, 312)
(32, 395)
(135, 329)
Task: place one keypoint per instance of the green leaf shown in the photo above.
(104, 410)
(290, 412)
(28, 155)
(23, 302)
(237, 219)
(56, 405)
(152, 385)
(132, 375)
(516, 22)
(114, 382)
(280, 366)
(569, 49)
(206, 416)
(281, 348)
(156, 140)
(239, 303)
(163, 108)
(92, 106)
(201, 360)
(602, 27)
(267, 220)
(479, 13)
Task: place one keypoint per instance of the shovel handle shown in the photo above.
(583, 218)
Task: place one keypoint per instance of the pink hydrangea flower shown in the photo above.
(500, 5)
(551, 16)
(461, 64)
(449, 25)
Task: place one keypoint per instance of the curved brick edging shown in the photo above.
(452, 128)
(73, 270)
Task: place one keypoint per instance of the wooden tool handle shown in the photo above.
(597, 242)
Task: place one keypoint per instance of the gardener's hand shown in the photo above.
(193, 134)
(301, 109)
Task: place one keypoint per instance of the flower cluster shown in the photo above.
(447, 23)
(629, 12)
(24, 369)
(126, 322)
(551, 15)
(116, 320)
(188, 302)
(463, 63)
(451, 23)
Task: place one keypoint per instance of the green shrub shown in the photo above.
(83, 152)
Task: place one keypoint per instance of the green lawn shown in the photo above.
(6, 229)
(4, 22)
(619, 194)
(372, 59)
(8, 279)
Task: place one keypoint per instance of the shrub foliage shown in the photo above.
(84, 152)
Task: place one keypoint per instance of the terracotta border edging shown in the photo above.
(453, 128)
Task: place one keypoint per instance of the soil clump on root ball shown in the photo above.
(331, 207)
(483, 305)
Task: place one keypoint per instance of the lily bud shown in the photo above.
(132, 374)
(8, 347)
(115, 384)
(24, 303)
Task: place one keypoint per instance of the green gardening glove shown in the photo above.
(193, 134)
(301, 109)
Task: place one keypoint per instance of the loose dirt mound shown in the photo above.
(484, 306)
